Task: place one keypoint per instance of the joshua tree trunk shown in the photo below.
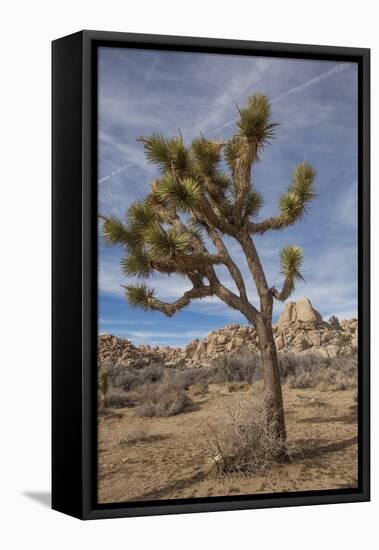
(271, 376)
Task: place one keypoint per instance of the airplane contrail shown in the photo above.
(324, 76)
(114, 173)
(297, 89)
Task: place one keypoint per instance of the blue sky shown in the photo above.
(315, 102)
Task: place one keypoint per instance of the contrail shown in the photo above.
(298, 89)
(114, 173)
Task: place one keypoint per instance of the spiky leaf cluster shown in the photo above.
(166, 154)
(291, 259)
(138, 296)
(255, 123)
(254, 203)
(207, 156)
(300, 193)
(182, 194)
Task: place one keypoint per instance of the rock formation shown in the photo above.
(301, 311)
(300, 328)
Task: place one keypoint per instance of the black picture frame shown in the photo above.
(74, 271)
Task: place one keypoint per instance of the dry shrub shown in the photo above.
(339, 373)
(244, 444)
(162, 399)
(130, 378)
(242, 365)
(315, 371)
(116, 400)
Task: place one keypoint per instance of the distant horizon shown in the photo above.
(315, 102)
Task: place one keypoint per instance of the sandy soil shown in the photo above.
(166, 458)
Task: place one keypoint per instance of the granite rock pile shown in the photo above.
(299, 329)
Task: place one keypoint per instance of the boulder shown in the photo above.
(300, 312)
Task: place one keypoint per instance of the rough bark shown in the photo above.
(271, 376)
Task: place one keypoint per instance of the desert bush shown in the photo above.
(130, 378)
(116, 400)
(162, 399)
(242, 365)
(244, 444)
(325, 373)
(213, 374)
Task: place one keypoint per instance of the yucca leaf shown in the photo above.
(233, 150)
(114, 231)
(254, 203)
(166, 153)
(291, 206)
(255, 121)
(137, 264)
(222, 180)
(291, 259)
(157, 150)
(141, 214)
(166, 245)
(207, 155)
(138, 295)
(302, 182)
(182, 194)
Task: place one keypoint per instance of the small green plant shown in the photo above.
(334, 322)
(104, 383)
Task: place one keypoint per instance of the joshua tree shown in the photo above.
(204, 193)
(334, 322)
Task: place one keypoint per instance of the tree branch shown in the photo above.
(229, 263)
(231, 299)
(242, 180)
(256, 269)
(286, 291)
(273, 222)
(170, 309)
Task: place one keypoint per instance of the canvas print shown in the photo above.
(227, 275)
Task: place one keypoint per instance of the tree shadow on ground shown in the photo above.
(167, 490)
(346, 419)
(315, 448)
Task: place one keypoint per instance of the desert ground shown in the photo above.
(150, 458)
(190, 422)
